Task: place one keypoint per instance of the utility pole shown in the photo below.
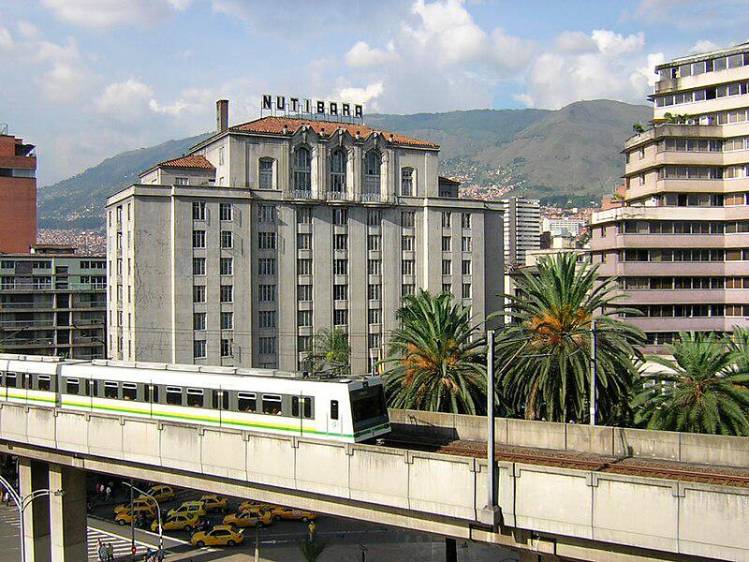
(593, 372)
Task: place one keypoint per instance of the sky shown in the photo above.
(87, 79)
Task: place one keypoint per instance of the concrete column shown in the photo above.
(68, 514)
(32, 475)
(451, 550)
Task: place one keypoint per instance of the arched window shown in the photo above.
(266, 173)
(407, 182)
(338, 171)
(372, 162)
(302, 169)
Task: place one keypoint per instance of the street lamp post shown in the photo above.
(158, 511)
(22, 502)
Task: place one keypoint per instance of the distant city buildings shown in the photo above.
(678, 235)
(17, 193)
(53, 302)
(239, 252)
(522, 228)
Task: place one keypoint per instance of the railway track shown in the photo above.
(632, 466)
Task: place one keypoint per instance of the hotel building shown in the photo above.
(239, 252)
(679, 242)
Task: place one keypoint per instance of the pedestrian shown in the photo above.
(103, 555)
(110, 552)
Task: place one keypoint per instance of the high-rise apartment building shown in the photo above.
(680, 240)
(522, 228)
(17, 193)
(268, 231)
(53, 302)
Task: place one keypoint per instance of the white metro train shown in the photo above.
(264, 400)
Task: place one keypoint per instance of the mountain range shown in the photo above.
(569, 156)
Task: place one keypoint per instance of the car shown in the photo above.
(247, 519)
(161, 492)
(137, 503)
(291, 514)
(179, 522)
(220, 535)
(195, 507)
(214, 502)
(126, 517)
(255, 507)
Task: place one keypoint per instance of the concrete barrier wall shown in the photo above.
(611, 441)
(427, 491)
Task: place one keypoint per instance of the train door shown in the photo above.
(334, 418)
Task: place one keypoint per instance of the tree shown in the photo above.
(703, 389)
(436, 358)
(543, 355)
(330, 352)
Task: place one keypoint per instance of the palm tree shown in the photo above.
(436, 357)
(330, 352)
(543, 356)
(703, 389)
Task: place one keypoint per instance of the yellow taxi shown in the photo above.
(220, 535)
(179, 522)
(192, 507)
(291, 514)
(137, 503)
(214, 502)
(126, 517)
(161, 492)
(247, 519)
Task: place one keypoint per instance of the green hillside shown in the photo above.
(572, 155)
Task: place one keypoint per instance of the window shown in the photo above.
(246, 402)
(198, 266)
(340, 217)
(407, 243)
(111, 390)
(227, 293)
(374, 316)
(302, 169)
(267, 240)
(266, 214)
(227, 239)
(466, 292)
(198, 210)
(466, 244)
(340, 317)
(446, 216)
(129, 391)
(267, 266)
(447, 267)
(340, 267)
(407, 182)
(198, 293)
(338, 171)
(304, 266)
(198, 351)
(373, 242)
(374, 217)
(374, 292)
(267, 293)
(198, 238)
(304, 318)
(446, 243)
(198, 321)
(304, 215)
(340, 292)
(225, 348)
(267, 345)
(226, 211)
(227, 320)
(372, 173)
(272, 404)
(227, 266)
(266, 173)
(408, 289)
(340, 242)
(174, 393)
(407, 267)
(465, 220)
(374, 267)
(304, 241)
(407, 218)
(304, 292)
(267, 318)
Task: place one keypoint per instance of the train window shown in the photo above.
(44, 382)
(246, 402)
(72, 386)
(195, 397)
(129, 391)
(334, 409)
(272, 404)
(111, 389)
(174, 395)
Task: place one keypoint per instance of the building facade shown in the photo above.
(267, 232)
(679, 241)
(53, 302)
(522, 228)
(17, 194)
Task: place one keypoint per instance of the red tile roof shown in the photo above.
(289, 125)
(192, 161)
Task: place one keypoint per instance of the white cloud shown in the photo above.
(103, 14)
(362, 55)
